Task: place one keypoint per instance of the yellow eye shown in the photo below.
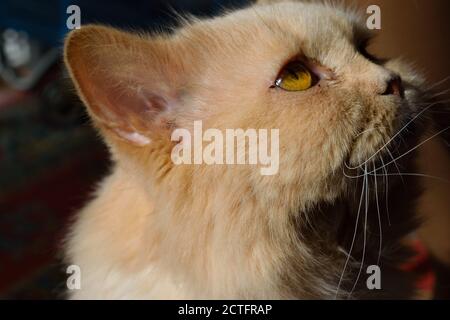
(294, 77)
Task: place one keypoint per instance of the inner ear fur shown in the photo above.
(128, 82)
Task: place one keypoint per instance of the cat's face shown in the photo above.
(224, 71)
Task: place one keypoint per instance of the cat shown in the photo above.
(155, 230)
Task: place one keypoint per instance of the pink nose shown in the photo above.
(394, 86)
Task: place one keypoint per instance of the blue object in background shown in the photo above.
(46, 20)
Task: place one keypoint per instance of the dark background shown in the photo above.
(51, 159)
(419, 31)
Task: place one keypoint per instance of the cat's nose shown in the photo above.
(394, 86)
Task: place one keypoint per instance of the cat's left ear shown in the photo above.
(129, 83)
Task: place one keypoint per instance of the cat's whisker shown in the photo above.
(399, 174)
(414, 148)
(441, 93)
(380, 228)
(414, 175)
(342, 250)
(438, 83)
(394, 136)
(350, 177)
(395, 163)
(386, 187)
(366, 210)
(434, 103)
(353, 242)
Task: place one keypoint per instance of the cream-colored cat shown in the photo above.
(156, 230)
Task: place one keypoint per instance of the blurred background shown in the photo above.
(51, 159)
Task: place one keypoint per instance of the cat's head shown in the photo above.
(298, 67)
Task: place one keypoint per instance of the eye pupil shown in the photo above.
(294, 77)
(293, 73)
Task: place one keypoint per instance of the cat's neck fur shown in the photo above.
(213, 237)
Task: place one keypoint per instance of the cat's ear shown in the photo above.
(128, 82)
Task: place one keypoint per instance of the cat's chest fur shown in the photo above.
(124, 252)
(108, 244)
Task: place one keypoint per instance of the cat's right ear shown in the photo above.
(128, 82)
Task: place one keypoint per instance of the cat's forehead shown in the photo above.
(286, 28)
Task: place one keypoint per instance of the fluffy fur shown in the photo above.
(159, 231)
